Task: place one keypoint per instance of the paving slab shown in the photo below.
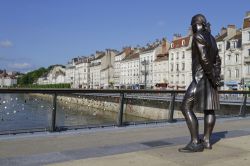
(133, 145)
(225, 153)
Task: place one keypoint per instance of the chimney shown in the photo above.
(127, 50)
(177, 36)
(165, 46)
(248, 14)
(223, 30)
(231, 31)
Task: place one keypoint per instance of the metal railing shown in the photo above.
(122, 96)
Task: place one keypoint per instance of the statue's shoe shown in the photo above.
(192, 147)
(206, 144)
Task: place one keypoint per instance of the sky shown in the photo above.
(40, 33)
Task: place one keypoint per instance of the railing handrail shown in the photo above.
(69, 90)
(173, 93)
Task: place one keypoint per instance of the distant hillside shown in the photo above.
(30, 77)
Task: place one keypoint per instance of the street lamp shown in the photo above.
(145, 72)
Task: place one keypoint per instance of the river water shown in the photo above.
(23, 111)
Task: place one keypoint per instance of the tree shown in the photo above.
(31, 77)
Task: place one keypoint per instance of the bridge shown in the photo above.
(151, 143)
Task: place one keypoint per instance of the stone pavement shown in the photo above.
(146, 145)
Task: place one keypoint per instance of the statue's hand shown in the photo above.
(216, 82)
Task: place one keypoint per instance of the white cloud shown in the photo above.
(20, 65)
(6, 44)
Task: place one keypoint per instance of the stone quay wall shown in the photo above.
(144, 108)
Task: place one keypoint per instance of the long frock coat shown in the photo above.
(202, 93)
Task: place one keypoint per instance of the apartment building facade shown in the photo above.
(246, 49)
(118, 79)
(130, 74)
(180, 61)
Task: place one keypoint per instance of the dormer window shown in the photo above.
(172, 45)
(183, 42)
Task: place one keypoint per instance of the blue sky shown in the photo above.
(39, 33)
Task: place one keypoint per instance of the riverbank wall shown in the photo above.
(144, 108)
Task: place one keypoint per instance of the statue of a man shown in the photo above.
(202, 93)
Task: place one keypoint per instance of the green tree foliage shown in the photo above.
(27, 80)
(31, 77)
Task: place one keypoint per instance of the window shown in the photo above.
(177, 55)
(219, 47)
(248, 52)
(234, 44)
(229, 56)
(229, 73)
(237, 73)
(183, 79)
(172, 45)
(183, 66)
(177, 67)
(172, 67)
(236, 57)
(249, 35)
(172, 56)
(183, 54)
(183, 42)
(248, 69)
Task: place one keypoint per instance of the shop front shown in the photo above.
(231, 85)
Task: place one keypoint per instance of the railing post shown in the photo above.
(53, 118)
(120, 113)
(171, 109)
(243, 106)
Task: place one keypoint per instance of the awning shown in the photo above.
(231, 83)
(161, 84)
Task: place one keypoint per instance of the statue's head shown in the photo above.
(199, 22)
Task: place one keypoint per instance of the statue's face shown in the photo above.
(199, 26)
(196, 27)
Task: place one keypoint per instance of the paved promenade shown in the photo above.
(142, 145)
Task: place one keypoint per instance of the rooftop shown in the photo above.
(246, 23)
(131, 56)
(221, 37)
(180, 42)
(161, 57)
(150, 47)
(238, 35)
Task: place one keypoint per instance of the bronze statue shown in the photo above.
(202, 93)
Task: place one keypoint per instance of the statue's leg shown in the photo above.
(209, 122)
(187, 111)
(191, 120)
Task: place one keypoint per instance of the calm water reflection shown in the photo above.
(23, 111)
